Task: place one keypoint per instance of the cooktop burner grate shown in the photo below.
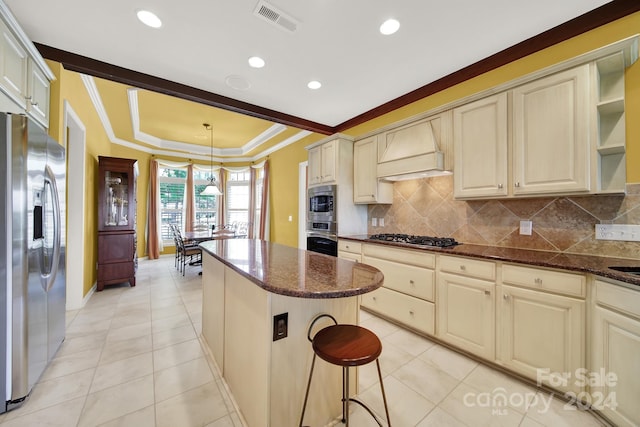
(442, 242)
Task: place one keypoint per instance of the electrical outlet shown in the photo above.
(374, 222)
(626, 232)
(280, 326)
(526, 228)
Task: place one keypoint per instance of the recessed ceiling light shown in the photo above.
(256, 62)
(314, 84)
(149, 18)
(389, 26)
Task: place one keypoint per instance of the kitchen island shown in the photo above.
(247, 284)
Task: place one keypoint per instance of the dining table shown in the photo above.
(207, 235)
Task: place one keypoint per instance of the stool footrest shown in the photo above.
(351, 399)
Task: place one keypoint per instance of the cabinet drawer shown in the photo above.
(408, 279)
(468, 267)
(618, 297)
(350, 256)
(413, 312)
(350, 246)
(549, 280)
(405, 256)
(114, 271)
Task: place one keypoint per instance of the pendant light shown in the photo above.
(212, 188)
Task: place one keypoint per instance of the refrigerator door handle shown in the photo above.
(48, 273)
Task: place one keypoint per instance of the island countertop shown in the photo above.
(294, 272)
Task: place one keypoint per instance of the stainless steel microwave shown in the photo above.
(322, 203)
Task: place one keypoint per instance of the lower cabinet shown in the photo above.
(615, 350)
(117, 261)
(542, 336)
(414, 312)
(466, 313)
(350, 250)
(408, 293)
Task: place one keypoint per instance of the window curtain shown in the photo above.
(221, 207)
(263, 230)
(190, 201)
(154, 232)
(253, 172)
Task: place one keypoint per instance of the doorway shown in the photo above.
(75, 144)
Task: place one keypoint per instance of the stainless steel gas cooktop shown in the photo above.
(442, 242)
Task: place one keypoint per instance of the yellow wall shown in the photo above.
(284, 163)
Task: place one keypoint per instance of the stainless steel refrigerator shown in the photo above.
(32, 254)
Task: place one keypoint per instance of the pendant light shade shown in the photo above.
(212, 188)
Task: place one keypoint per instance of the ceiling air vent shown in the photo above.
(275, 16)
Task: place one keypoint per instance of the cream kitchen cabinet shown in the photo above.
(348, 249)
(367, 188)
(615, 347)
(22, 79)
(465, 304)
(541, 334)
(408, 293)
(323, 161)
(480, 146)
(551, 134)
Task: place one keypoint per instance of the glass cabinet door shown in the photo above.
(116, 200)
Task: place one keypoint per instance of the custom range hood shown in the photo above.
(410, 152)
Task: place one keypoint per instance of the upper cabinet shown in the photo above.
(323, 161)
(24, 76)
(367, 188)
(480, 146)
(559, 132)
(551, 134)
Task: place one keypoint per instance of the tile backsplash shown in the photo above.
(560, 224)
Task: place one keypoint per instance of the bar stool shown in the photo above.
(345, 345)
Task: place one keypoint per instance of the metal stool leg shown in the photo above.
(384, 396)
(345, 395)
(306, 395)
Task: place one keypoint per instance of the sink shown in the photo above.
(628, 270)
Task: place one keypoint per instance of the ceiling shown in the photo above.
(202, 44)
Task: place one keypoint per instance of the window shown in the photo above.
(206, 206)
(172, 186)
(237, 197)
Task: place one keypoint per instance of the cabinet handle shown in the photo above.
(463, 267)
(347, 246)
(517, 184)
(499, 185)
(506, 297)
(538, 281)
(487, 292)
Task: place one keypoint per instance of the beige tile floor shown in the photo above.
(132, 357)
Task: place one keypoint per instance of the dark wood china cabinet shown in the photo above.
(117, 260)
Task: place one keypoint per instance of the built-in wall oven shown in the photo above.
(321, 220)
(324, 243)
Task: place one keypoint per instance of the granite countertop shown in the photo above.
(294, 272)
(582, 263)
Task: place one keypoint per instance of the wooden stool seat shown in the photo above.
(347, 345)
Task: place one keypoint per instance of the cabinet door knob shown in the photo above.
(517, 184)
(411, 282)
(463, 267)
(538, 281)
(499, 185)
(506, 297)
(374, 298)
(486, 292)
(411, 312)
